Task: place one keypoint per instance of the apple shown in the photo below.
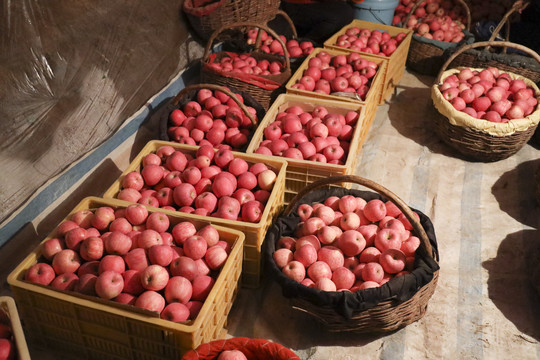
(151, 300)
(331, 255)
(40, 273)
(176, 312)
(351, 242)
(109, 284)
(373, 271)
(66, 261)
(202, 285)
(387, 239)
(154, 277)
(343, 278)
(392, 260)
(178, 289)
(51, 247)
(294, 270)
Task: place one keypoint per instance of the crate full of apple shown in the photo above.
(318, 138)
(12, 340)
(487, 114)
(334, 240)
(238, 190)
(342, 76)
(388, 42)
(138, 271)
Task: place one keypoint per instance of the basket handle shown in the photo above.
(419, 230)
(461, 2)
(517, 6)
(289, 21)
(257, 43)
(215, 87)
(466, 47)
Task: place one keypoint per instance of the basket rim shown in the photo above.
(459, 118)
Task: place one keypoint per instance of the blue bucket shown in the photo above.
(378, 11)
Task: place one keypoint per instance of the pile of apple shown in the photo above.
(270, 45)
(8, 350)
(438, 20)
(489, 94)
(370, 41)
(318, 135)
(211, 183)
(327, 74)
(348, 244)
(246, 64)
(213, 118)
(133, 257)
(436, 7)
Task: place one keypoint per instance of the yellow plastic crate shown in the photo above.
(373, 96)
(7, 305)
(254, 232)
(302, 172)
(85, 327)
(396, 62)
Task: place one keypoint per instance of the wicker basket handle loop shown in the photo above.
(419, 230)
(466, 47)
(257, 43)
(517, 6)
(289, 21)
(215, 87)
(461, 2)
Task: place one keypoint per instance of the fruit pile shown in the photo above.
(327, 74)
(348, 244)
(270, 45)
(317, 135)
(133, 257)
(489, 94)
(247, 64)
(208, 184)
(438, 20)
(8, 350)
(370, 41)
(212, 118)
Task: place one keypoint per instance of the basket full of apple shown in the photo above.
(141, 272)
(256, 72)
(438, 26)
(241, 348)
(484, 113)
(209, 114)
(356, 260)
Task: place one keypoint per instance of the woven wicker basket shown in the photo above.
(264, 88)
(390, 311)
(190, 92)
(255, 349)
(426, 55)
(478, 139)
(227, 12)
(515, 63)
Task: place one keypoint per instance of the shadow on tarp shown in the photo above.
(515, 191)
(514, 280)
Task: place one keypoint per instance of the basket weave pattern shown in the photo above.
(384, 317)
(232, 11)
